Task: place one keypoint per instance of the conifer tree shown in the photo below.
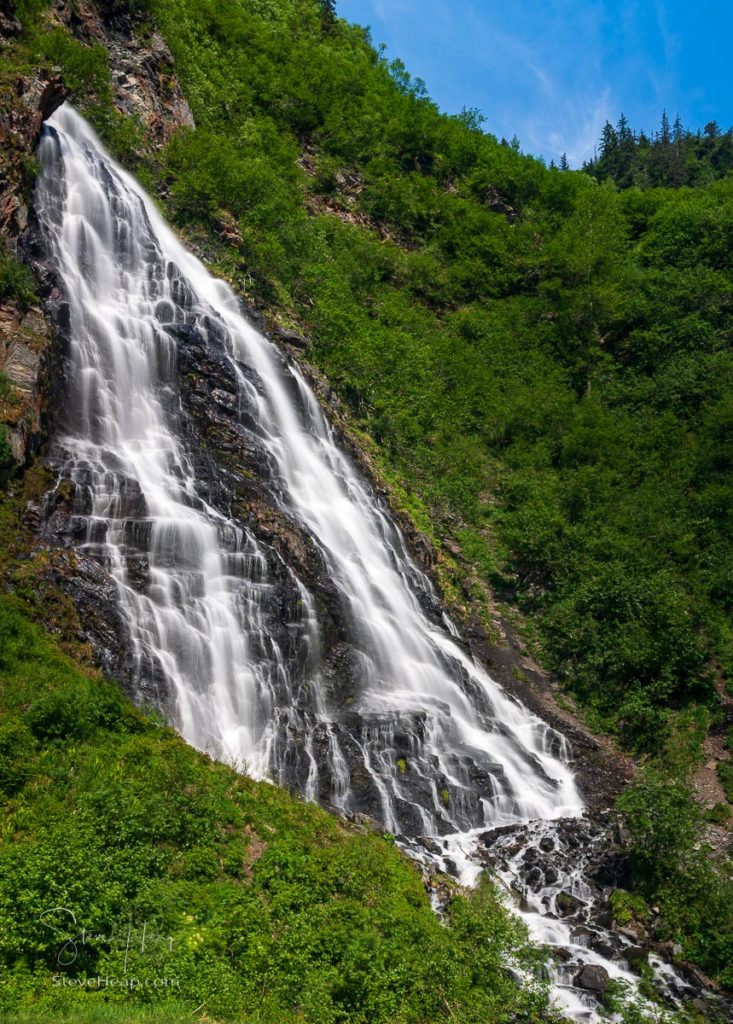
(664, 135)
(328, 12)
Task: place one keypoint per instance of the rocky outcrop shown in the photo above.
(24, 106)
(602, 771)
(24, 344)
(25, 103)
(570, 871)
(144, 85)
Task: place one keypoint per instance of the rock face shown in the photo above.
(144, 87)
(143, 81)
(234, 474)
(24, 333)
(24, 107)
(566, 872)
(24, 343)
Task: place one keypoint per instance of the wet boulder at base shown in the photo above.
(592, 978)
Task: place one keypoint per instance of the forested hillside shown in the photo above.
(539, 360)
(543, 359)
(671, 157)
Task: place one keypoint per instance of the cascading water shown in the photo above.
(199, 617)
(225, 634)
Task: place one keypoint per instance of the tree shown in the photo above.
(665, 134)
(609, 140)
(564, 165)
(664, 824)
(328, 12)
(711, 130)
(472, 118)
(623, 129)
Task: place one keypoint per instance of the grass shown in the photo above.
(126, 854)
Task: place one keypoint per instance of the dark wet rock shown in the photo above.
(636, 956)
(696, 977)
(604, 917)
(604, 946)
(493, 835)
(291, 337)
(561, 954)
(613, 871)
(592, 978)
(567, 904)
(534, 878)
(531, 855)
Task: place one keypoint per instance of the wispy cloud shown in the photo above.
(553, 73)
(553, 105)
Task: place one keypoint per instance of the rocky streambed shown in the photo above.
(567, 881)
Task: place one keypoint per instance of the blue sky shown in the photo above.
(552, 72)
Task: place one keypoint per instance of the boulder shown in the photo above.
(592, 978)
(567, 904)
(290, 337)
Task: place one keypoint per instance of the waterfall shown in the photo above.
(199, 619)
(363, 699)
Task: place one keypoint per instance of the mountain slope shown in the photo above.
(542, 362)
(172, 881)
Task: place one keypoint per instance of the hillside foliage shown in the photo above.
(671, 157)
(544, 359)
(127, 855)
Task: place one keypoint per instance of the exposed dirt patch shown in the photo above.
(255, 848)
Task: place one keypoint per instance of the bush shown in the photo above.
(17, 283)
(16, 756)
(673, 872)
(129, 854)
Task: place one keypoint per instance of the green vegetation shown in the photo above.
(16, 281)
(626, 907)
(85, 70)
(672, 157)
(725, 773)
(542, 361)
(128, 855)
(674, 873)
(552, 383)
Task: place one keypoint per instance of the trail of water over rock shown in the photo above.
(443, 749)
